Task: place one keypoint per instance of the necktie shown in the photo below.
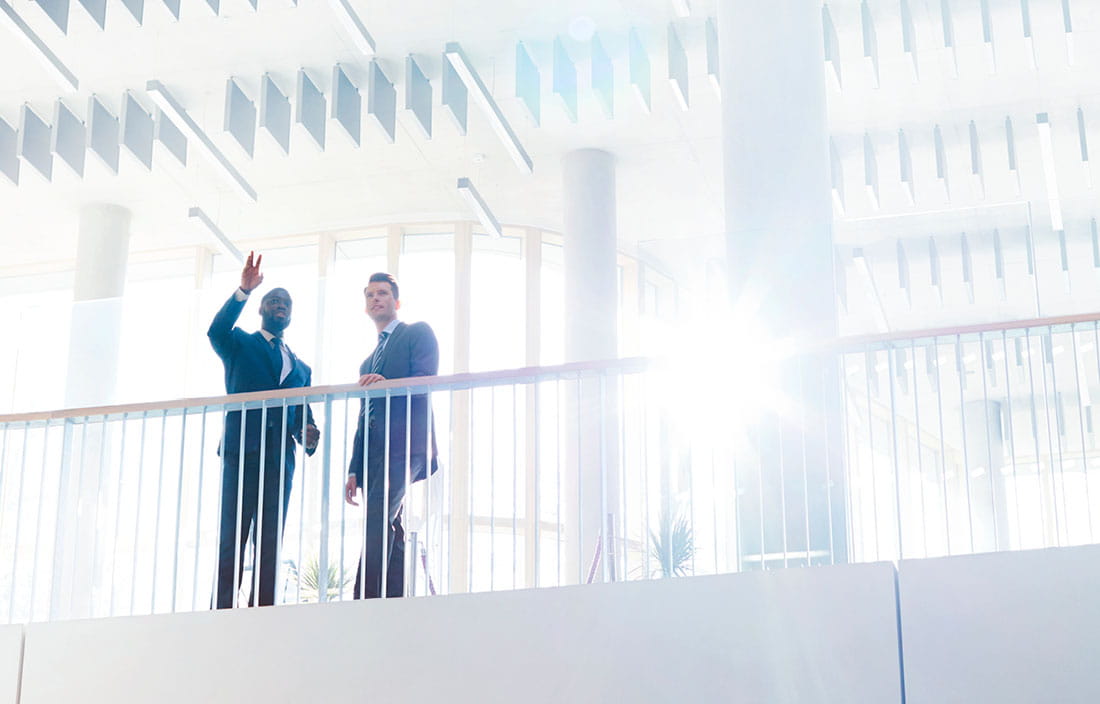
(277, 356)
(376, 364)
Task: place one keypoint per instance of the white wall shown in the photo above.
(820, 635)
(1011, 627)
(11, 659)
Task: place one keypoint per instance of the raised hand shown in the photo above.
(251, 276)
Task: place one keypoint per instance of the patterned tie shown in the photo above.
(376, 364)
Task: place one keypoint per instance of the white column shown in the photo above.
(778, 217)
(776, 159)
(591, 321)
(101, 256)
(589, 250)
(79, 585)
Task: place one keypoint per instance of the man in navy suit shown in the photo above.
(259, 461)
(403, 351)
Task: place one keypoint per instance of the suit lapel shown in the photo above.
(387, 357)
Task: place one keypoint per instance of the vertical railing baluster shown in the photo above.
(160, 500)
(988, 442)
(960, 370)
(943, 446)
(97, 534)
(322, 575)
(802, 434)
(870, 358)
(198, 512)
(40, 526)
(179, 508)
(920, 447)
(18, 523)
(137, 512)
(1059, 427)
(515, 482)
(1011, 441)
(1081, 424)
(891, 374)
(1050, 444)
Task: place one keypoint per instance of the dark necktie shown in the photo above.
(277, 356)
(376, 363)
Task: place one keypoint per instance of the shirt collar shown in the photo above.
(267, 336)
(391, 327)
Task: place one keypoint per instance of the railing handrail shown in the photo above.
(451, 381)
(850, 341)
(470, 379)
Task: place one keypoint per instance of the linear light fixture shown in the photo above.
(47, 58)
(168, 104)
(484, 215)
(480, 93)
(224, 244)
(351, 23)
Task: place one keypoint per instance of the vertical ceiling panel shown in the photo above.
(240, 117)
(9, 152)
(103, 134)
(528, 84)
(34, 142)
(603, 78)
(565, 79)
(713, 57)
(97, 9)
(678, 68)
(137, 130)
(418, 96)
(347, 104)
(136, 8)
(640, 76)
(310, 110)
(454, 95)
(382, 101)
(167, 134)
(275, 113)
(57, 11)
(69, 138)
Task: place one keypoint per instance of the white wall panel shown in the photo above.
(819, 635)
(11, 658)
(1010, 627)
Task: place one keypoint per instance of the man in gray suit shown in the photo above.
(403, 350)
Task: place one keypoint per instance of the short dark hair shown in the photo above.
(382, 277)
(273, 292)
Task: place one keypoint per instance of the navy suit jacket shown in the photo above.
(251, 366)
(411, 350)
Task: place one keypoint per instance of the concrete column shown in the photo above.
(101, 255)
(590, 251)
(77, 588)
(591, 321)
(778, 217)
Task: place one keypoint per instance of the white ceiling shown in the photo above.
(668, 172)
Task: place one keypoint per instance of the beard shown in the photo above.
(274, 324)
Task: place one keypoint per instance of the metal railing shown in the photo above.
(899, 446)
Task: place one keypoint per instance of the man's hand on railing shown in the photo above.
(350, 490)
(368, 379)
(251, 276)
(312, 436)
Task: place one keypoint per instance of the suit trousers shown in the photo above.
(234, 531)
(384, 543)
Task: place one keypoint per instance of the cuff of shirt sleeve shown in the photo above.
(240, 295)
